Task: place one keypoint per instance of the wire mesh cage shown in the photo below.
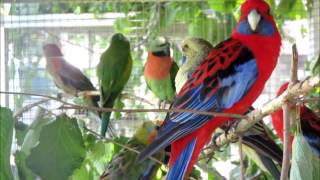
(83, 29)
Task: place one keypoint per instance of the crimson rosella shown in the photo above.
(229, 80)
(67, 77)
(310, 124)
(258, 145)
(160, 70)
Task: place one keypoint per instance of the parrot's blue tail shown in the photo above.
(179, 169)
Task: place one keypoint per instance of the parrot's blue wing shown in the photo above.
(216, 92)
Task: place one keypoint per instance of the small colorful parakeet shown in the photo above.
(67, 77)
(229, 80)
(257, 144)
(309, 123)
(113, 72)
(124, 166)
(160, 70)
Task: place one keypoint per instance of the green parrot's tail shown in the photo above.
(104, 123)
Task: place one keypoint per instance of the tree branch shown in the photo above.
(287, 117)
(301, 88)
(28, 107)
(242, 173)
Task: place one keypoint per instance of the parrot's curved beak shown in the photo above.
(254, 19)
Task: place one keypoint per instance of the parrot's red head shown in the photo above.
(256, 18)
(51, 50)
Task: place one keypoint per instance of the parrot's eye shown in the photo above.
(268, 12)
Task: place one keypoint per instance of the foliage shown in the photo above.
(305, 165)
(6, 132)
(60, 149)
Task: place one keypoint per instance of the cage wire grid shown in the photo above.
(84, 36)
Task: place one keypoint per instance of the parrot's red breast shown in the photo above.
(157, 67)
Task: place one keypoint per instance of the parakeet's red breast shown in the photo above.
(310, 124)
(229, 80)
(157, 67)
(160, 70)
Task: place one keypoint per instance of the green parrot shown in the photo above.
(257, 143)
(124, 165)
(160, 70)
(113, 72)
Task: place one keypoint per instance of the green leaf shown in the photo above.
(28, 136)
(23, 171)
(60, 150)
(31, 138)
(97, 156)
(224, 6)
(305, 165)
(293, 9)
(6, 131)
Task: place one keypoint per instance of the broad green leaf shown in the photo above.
(23, 171)
(29, 135)
(98, 154)
(31, 138)
(305, 165)
(60, 150)
(6, 131)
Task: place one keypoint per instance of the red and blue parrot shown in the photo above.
(229, 80)
(310, 124)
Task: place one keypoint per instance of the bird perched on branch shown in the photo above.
(113, 72)
(309, 123)
(67, 77)
(124, 166)
(258, 145)
(229, 80)
(160, 70)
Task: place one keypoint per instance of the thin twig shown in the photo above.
(121, 145)
(29, 106)
(241, 159)
(68, 105)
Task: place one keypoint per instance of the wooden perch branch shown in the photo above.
(287, 117)
(301, 88)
